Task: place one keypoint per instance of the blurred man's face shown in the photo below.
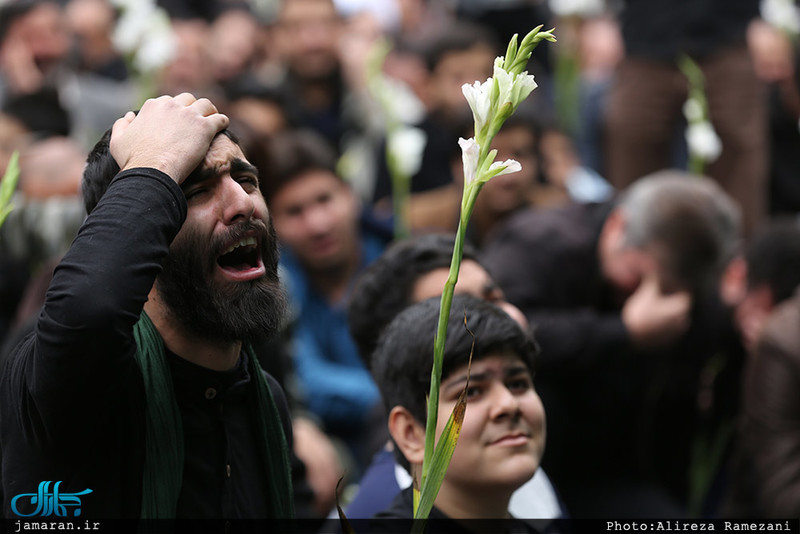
(508, 192)
(454, 70)
(307, 37)
(316, 216)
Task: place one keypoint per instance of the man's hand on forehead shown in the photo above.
(171, 134)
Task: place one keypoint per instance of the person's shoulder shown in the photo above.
(783, 328)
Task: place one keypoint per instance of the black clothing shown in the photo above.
(72, 405)
(399, 514)
(663, 29)
(619, 421)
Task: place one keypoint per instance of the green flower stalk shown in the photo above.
(404, 143)
(8, 185)
(491, 102)
(702, 141)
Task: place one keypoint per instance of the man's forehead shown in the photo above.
(222, 151)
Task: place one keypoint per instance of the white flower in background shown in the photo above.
(404, 104)
(587, 8)
(144, 32)
(693, 110)
(703, 140)
(470, 151)
(782, 14)
(406, 146)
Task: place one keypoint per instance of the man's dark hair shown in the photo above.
(40, 112)
(384, 288)
(402, 362)
(773, 258)
(288, 155)
(458, 37)
(101, 168)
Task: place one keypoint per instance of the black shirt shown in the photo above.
(71, 394)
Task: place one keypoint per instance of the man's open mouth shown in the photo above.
(242, 259)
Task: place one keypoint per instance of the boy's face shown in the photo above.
(503, 435)
(316, 216)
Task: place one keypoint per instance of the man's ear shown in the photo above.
(733, 283)
(408, 434)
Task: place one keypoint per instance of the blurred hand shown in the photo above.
(771, 50)
(169, 134)
(653, 318)
(323, 468)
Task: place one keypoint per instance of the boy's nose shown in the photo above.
(504, 402)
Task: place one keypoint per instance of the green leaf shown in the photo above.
(10, 179)
(8, 185)
(441, 460)
(444, 450)
(347, 528)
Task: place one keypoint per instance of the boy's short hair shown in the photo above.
(290, 154)
(773, 258)
(385, 287)
(401, 365)
(458, 37)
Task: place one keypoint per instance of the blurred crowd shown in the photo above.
(691, 408)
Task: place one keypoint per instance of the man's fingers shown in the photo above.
(186, 99)
(204, 106)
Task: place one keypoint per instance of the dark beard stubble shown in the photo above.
(243, 311)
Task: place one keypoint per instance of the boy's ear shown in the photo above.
(408, 434)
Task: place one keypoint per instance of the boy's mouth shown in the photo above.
(513, 439)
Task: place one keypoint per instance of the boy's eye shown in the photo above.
(474, 391)
(519, 384)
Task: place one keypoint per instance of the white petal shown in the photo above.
(477, 96)
(505, 85)
(703, 141)
(524, 84)
(509, 164)
(470, 150)
(407, 145)
(692, 110)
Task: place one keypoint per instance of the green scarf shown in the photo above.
(163, 460)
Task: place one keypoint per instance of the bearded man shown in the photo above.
(137, 396)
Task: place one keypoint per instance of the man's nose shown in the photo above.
(236, 202)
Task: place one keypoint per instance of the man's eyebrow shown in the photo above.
(239, 165)
(200, 175)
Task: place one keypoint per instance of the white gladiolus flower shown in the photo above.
(509, 164)
(512, 88)
(470, 151)
(523, 86)
(781, 14)
(587, 8)
(133, 25)
(407, 145)
(703, 140)
(158, 46)
(477, 96)
(692, 110)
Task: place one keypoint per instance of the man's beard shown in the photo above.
(237, 312)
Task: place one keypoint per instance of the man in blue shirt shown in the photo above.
(326, 244)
